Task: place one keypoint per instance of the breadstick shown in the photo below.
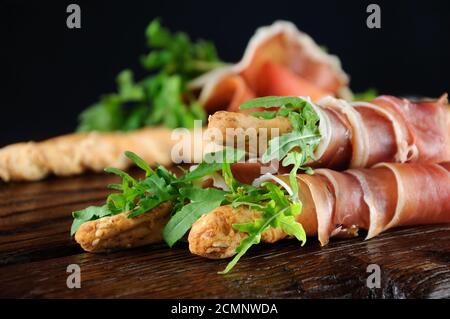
(80, 152)
(120, 232)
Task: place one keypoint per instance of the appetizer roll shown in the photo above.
(344, 134)
(338, 204)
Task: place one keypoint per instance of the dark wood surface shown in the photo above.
(36, 248)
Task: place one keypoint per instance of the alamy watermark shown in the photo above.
(73, 20)
(74, 279)
(374, 279)
(373, 21)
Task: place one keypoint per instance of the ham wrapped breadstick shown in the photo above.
(339, 204)
(361, 134)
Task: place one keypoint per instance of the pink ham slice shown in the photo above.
(387, 130)
(427, 124)
(376, 199)
(279, 60)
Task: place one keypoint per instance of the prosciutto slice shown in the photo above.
(377, 199)
(389, 129)
(279, 60)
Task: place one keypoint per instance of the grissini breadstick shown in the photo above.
(120, 232)
(213, 236)
(80, 152)
(340, 203)
(230, 125)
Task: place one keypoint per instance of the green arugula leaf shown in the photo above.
(243, 247)
(280, 146)
(292, 228)
(212, 163)
(202, 201)
(140, 163)
(255, 229)
(126, 177)
(296, 147)
(146, 204)
(273, 101)
(87, 214)
(267, 115)
(203, 169)
(367, 95)
(278, 210)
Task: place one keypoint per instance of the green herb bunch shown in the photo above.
(162, 97)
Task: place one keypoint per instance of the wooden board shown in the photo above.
(36, 248)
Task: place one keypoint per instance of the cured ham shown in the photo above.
(279, 60)
(361, 134)
(390, 129)
(337, 204)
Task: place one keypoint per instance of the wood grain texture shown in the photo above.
(36, 248)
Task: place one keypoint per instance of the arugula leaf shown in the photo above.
(227, 155)
(200, 201)
(271, 101)
(140, 163)
(292, 228)
(367, 95)
(203, 200)
(279, 211)
(212, 163)
(203, 169)
(161, 97)
(296, 147)
(87, 214)
(246, 243)
(280, 146)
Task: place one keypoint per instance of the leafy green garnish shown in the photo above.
(202, 201)
(366, 96)
(277, 210)
(296, 147)
(87, 214)
(160, 98)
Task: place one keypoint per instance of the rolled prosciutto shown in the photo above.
(339, 204)
(361, 134)
(279, 60)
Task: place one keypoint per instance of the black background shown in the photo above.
(52, 72)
